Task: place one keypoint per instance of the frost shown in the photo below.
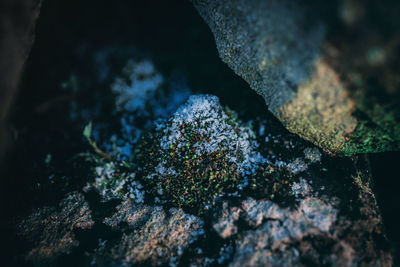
(122, 145)
(302, 188)
(141, 84)
(296, 166)
(262, 130)
(204, 115)
(141, 94)
(111, 183)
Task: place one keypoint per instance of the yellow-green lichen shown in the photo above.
(322, 110)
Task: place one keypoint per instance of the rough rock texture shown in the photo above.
(52, 229)
(151, 235)
(280, 48)
(225, 226)
(314, 232)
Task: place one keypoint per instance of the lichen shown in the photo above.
(322, 111)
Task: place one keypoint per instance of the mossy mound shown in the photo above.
(201, 152)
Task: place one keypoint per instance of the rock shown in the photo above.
(17, 28)
(296, 205)
(290, 204)
(313, 232)
(325, 214)
(52, 229)
(151, 236)
(257, 211)
(322, 88)
(225, 225)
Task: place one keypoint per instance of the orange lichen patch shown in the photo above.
(322, 110)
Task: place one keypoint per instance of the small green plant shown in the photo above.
(87, 133)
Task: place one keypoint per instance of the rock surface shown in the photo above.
(151, 235)
(312, 233)
(52, 229)
(283, 50)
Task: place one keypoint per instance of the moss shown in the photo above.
(377, 129)
(273, 183)
(196, 180)
(369, 138)
(199, 153)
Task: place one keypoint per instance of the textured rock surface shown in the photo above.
(314, 232)
(151, 236)
(280, 48)
(51, 229)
